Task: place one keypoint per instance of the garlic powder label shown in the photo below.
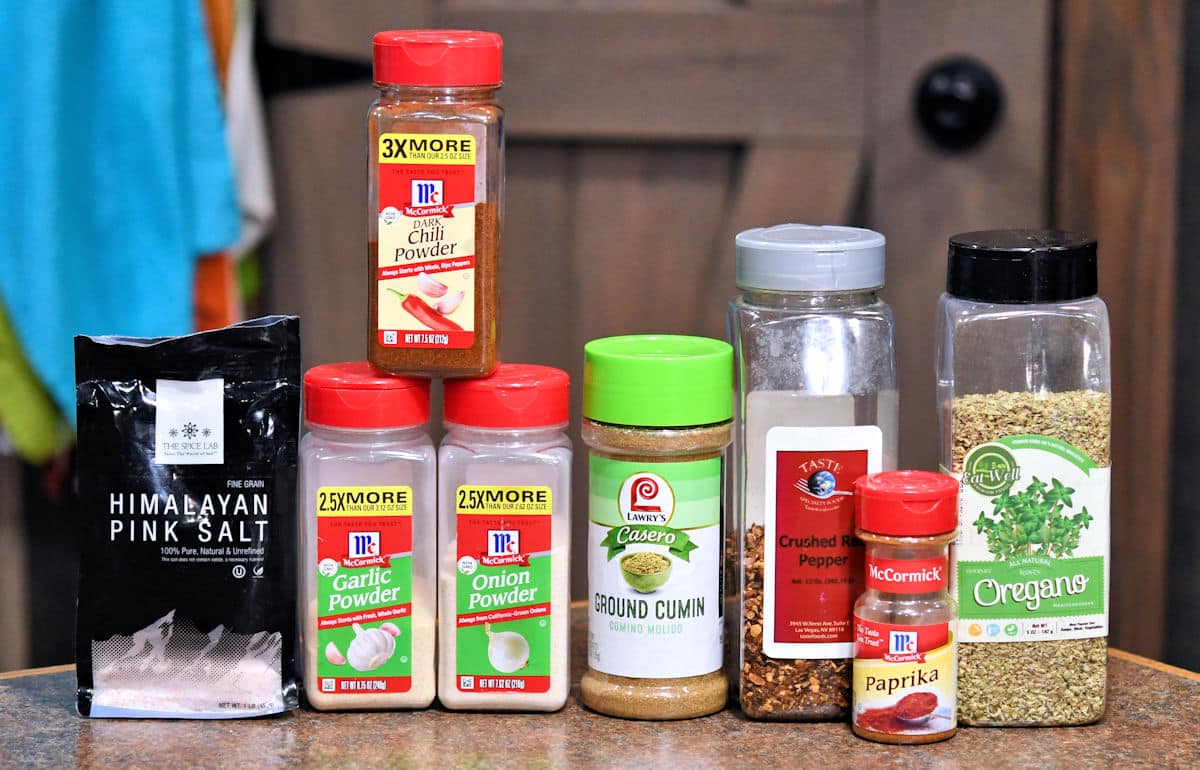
(189, 425)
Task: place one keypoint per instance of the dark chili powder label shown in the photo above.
(428, 187)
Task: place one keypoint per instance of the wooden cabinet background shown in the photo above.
(643, 135)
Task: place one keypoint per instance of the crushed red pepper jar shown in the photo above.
(436, 171)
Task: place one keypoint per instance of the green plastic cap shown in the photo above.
(658, 380)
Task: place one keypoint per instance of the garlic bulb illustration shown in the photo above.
(508, 651)
(334, 655)
(371, 648)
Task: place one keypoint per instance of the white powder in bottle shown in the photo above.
(368, 497)
(504, 542)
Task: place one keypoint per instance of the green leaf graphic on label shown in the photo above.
(1037, 521)
(677, 542)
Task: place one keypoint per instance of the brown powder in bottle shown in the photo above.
(478, 359)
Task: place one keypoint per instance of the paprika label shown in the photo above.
(428, 186)
(813, 563)
(503, 583)
(364, 589)
(905, 678)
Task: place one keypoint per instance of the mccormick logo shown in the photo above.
(902, 647)
(363, 550)
(504, 548)
(426, 192)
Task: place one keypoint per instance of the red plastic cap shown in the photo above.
(357, 395)
(513, 396)
(906, 503)
(438, 57)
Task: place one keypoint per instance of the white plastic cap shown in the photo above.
(809, 258)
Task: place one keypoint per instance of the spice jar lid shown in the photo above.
(808, 258)
(1022, 266)
(438, 57)
(357, 395)
(906, 503)
(512, 396)
(658, 380)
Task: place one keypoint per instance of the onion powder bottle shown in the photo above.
(505, 540)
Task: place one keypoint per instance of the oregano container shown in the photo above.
(1024, 397)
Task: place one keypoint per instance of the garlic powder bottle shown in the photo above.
(504, 541)
(367, 503)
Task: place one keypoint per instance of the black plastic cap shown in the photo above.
(1022, 266)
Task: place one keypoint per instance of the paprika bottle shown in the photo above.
(905, 664)
(436, 171)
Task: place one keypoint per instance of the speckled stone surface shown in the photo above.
(1153, 720)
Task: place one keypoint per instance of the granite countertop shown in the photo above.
(1153, 719)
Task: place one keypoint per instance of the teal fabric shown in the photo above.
(116, 175)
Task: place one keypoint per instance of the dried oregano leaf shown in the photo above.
(1058, 682)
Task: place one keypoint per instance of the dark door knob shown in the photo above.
(958, 100)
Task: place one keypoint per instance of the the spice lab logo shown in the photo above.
(990, 470)
(646, 498)
(426, 192)
(189, 422)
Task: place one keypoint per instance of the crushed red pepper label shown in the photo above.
(428, 186)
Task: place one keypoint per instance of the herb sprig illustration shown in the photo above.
(1037, 521)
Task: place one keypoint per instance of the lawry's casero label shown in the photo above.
(364, 589)
(428, 187)
(654, 568)
(813, 563)
(1031, 562)
(503, 582)
(905, 677)
(186, 478)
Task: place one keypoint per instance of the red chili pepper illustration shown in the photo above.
(425, 314)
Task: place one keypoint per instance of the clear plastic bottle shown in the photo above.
(817, 407)
(657, 412)
(505, 541)
(1025, 410)
(904, 623)
(435, 184)
(368, 499)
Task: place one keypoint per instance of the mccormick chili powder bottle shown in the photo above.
(436, 171)
(905, 667)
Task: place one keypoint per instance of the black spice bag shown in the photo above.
(187, 474)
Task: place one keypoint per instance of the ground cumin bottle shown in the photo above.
(904, 623)
(436, 171)
(657, 413)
